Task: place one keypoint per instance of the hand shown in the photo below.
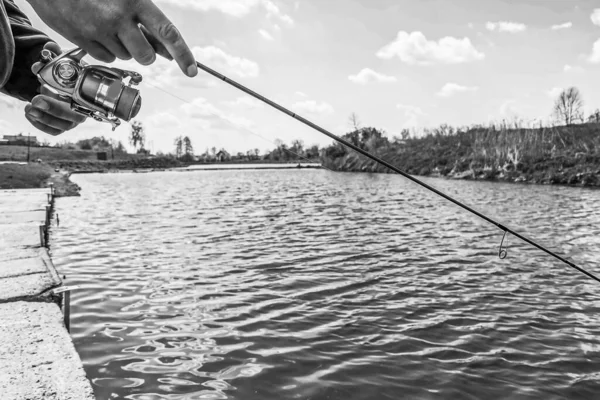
(108, 29)
(47, 112)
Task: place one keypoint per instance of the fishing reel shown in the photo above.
(95, 91)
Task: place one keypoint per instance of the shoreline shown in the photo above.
(40, 359)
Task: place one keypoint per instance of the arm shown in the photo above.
(28, 42)
(7, 46)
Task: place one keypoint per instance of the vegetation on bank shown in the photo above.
(553, 155)
(566, 153)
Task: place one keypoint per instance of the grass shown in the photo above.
(556, 155)
(19, 153)
(16, 176)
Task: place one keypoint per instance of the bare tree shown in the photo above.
(568, 106)
(178, 146)
(137, 136)
(354, 121)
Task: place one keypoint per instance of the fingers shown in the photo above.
(44, 128)
(51, 115)
(53, 47)
(99, 52)
(116, 48)
(163, 29)
(160, 49)
(135, 42)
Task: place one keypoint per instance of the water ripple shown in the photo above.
(315, 285)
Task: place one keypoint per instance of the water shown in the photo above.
(307, 284)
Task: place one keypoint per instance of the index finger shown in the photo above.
(163, 29)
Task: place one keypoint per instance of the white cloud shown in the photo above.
(245, 102)
(11, 102)
(595, 56)
(266, 35)
(313, 107)
(235, 8)
(470, 25)
(450, 89)
(414, 48)
(566, 25)
(504, 26)
(411, 113)
(367, 75)
(226, 63)
(554, 92)
(570, 68)
(595, 17)
(209, 116)
(301, 94)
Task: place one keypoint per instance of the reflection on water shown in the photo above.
(307, 284)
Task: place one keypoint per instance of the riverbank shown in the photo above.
(557, 156)
(39, 360)
(35, 176)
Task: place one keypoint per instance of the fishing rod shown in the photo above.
(502, 252)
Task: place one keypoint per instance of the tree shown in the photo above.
(595, 117)
(568, 106)
(354, 121)
(178, 147)
(187, 146)
(137, 136)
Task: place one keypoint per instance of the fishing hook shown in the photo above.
(502, 251)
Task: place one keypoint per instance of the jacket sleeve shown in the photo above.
(7, 46)
(28, 43)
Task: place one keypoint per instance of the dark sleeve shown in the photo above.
(28, 43)
(7, 46)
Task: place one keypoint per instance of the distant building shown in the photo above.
(19, 139)
(223, 156)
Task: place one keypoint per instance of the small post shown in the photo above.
(42, 236)
(47, 215)
(66, 306)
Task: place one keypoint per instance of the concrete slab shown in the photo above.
(22, 217)
(23, 266)
(28, 287)
(37, 357)
(19, 236)
(19, 253)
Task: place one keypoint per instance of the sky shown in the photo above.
(396, 64)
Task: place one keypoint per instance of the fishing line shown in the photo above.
(209, 113)
(502, 252)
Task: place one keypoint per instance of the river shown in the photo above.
(310, 284)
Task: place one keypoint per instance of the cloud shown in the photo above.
(504, 26)
(245, 102)
(554, 92)
(595, 17)
(367, 75)
(226, 63)
(594, 58)
(412, 114)
(570, 68)
(450, 89)
(301, 94)
(209, 116)
(234, 8)
(11, 102)
(566, 25)
(313, 107)
(266, 35)
(413, 48)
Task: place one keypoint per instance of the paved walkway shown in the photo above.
(37, 356)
